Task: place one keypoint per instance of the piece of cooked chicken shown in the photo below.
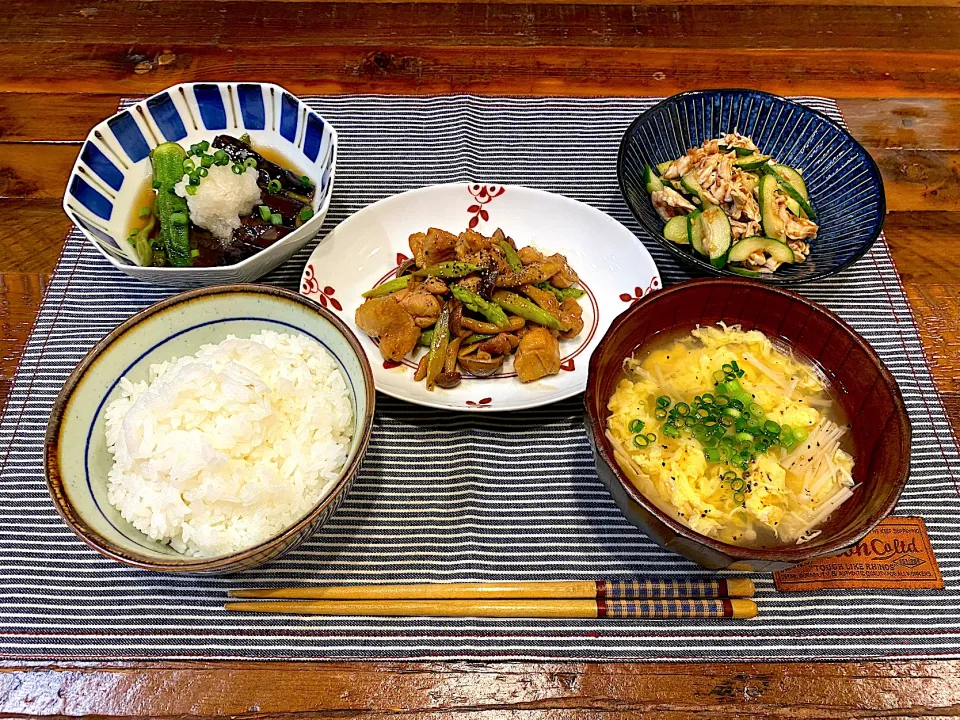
(538, 355)
(438, 246)
(668, 202)
(567, 275)
(423, 306)
(571, 315)
(384, 318)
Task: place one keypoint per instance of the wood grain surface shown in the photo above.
(894, 65)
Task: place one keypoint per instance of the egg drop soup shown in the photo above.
(736, 438)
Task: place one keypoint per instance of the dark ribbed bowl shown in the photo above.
(844, 183)
(869, 394)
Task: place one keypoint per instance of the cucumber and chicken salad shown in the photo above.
(734, 205)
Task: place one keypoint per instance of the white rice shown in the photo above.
(222, 197)
(223, 449)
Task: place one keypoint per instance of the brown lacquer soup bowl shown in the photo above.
(865, 388)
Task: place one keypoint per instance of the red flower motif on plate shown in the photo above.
(568, 365)
(482, 404)
(483, 194)
(324, 295)
(639, 292)
(401, 258)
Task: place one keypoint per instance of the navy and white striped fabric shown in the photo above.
(452, 497)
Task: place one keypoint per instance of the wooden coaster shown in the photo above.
(895, 555)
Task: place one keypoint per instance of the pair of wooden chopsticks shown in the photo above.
(615, 599)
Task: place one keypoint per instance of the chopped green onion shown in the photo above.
(245, 138)
(635, 426)
(729, 476)
(178, 218)
(755, 410)
(800, 434)
(238, 169)
(737, 485)
(743, 436)
(265, 214)
(652, 437)
(194, 179)
(739, 497)
(189, 165)
(725, 450)
(727, 421)
(753, 423)
(194, 253)
(711, 455)
(305, 181)
(195, 149)
(707, 399)
(306, 214)
(736, 404)
(206, 161)
(771, 427)
(144, 211)
(663, 401)
(250, 162)
(274, 186)
(204, 146)
(640, 441)
(721, 401)
(719, 376)
(276, 219)
(660, 414)
(221, 158)
(727, 368)
(671, 430)
(191, 189)
(202, 172)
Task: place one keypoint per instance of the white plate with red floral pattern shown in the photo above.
(615, 270)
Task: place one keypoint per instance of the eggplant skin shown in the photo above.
(239, 152)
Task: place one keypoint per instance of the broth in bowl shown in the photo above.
(736, 438)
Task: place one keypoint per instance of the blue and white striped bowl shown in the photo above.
(844, 182)
(114, 163)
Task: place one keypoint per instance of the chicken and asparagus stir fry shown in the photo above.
(472, 301)
(734, 205)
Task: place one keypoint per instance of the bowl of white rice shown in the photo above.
(211, 432)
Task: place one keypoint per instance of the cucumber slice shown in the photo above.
(790, 191)
(651, 180)
(772, 224)
(695, 232)
(692, 186)
(662, 167)
(794, 207)
(774, 248)
(794, 178)
(753, 161)
(676, 230)
(716, 235)
(744, 271)
(741, 151)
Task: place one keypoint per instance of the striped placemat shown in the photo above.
(449, 497)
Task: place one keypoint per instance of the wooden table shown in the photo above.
(894, 67)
